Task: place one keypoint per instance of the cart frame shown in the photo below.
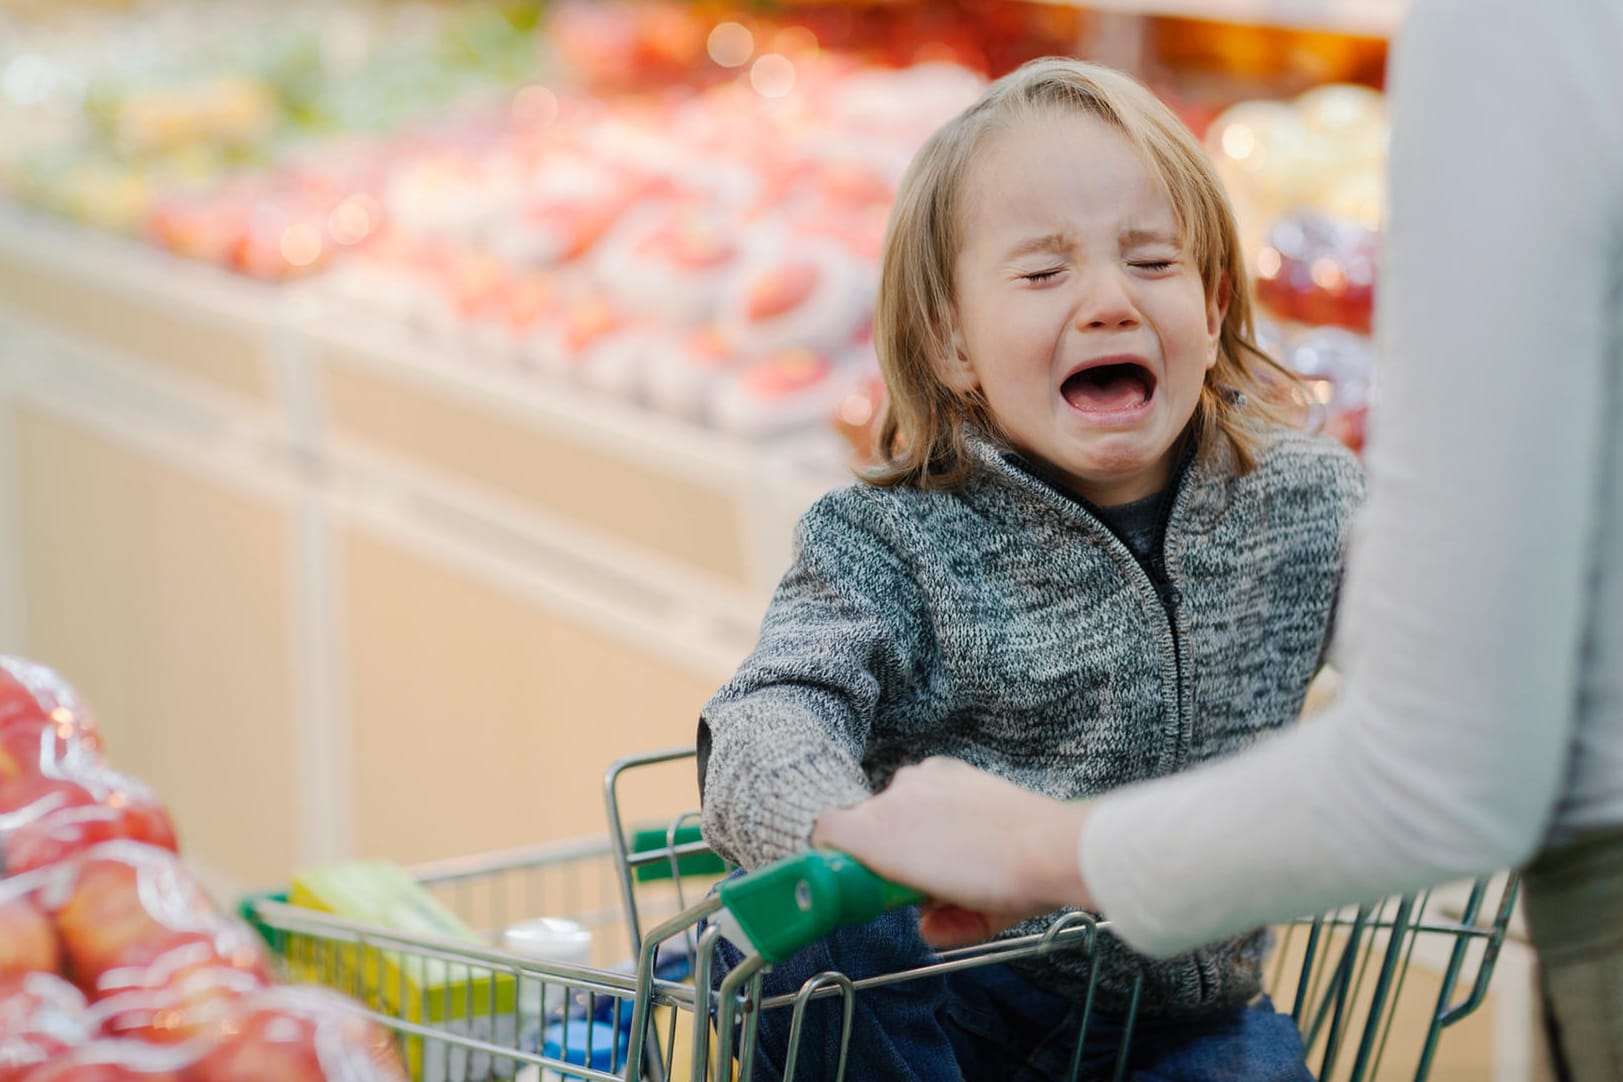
(1355, 962)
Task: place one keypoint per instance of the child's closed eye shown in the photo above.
(1042, 275)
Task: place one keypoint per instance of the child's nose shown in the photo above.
(1105, 303)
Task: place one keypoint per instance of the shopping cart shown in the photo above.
(642, 1007)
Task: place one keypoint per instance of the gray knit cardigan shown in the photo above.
(1005, 625)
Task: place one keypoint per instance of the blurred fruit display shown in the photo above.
(681, 205)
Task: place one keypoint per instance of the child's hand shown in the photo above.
(988, 852)
(944, 925)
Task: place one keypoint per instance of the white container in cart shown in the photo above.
(546, 939)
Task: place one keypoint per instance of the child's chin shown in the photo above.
(1106, 471)
(1117, 455)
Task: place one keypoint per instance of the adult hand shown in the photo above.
(987, 852)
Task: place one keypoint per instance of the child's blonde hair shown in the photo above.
(921, 439)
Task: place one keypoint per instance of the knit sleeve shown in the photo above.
(787, 734)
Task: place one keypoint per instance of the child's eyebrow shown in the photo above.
(1049, 242)
(1133, 238)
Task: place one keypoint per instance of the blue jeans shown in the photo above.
(990, 1022)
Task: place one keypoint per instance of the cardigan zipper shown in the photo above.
(1156, 568)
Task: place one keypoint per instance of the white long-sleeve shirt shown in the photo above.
(1481, 639)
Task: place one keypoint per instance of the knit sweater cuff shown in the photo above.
(771, 816)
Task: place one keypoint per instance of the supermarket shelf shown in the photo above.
(670, 624)
(159, 411)
(697, 620)
(1375, 18)
(713, 508)
(682, 604)
(142, 303)
(325, 380)
(642, 437)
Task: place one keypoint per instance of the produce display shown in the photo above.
(114, 962)
(711, 256)
(680, 205)
(108, 110)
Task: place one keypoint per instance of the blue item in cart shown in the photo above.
(608, 1045)
(673, 963)
(613, 1011)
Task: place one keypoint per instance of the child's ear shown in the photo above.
(957, 372)
(1216, 309)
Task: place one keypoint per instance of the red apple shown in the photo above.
(78, 811)
(787, 372)
(28, 942)
(41, 1017)
(1349, 427)
(37, 744)
(20, 748)
(129, 906)
(29, 690)
(172, 1008)
(33, 796)
(301, 1035)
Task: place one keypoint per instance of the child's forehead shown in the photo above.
(1064, 142)
(1091, 178)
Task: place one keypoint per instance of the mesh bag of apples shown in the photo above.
(114, 963)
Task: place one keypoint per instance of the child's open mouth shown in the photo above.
(1115, 388)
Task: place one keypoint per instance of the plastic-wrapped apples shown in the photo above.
(673, 260)
(46, 818)
(28, 940)
(800, 293)
(124, 910)
(115, 965)
(787, 389)
(42, 1017)
(42, 721)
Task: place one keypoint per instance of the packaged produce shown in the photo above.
(42, 1016)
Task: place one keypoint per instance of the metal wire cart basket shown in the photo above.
(641, 1006)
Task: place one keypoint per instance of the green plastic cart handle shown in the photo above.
(800, 899)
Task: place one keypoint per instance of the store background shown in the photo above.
(404, 407)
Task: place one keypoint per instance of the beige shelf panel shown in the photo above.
(481, 720)
(142, 304)
(164, 598)
(667, 511)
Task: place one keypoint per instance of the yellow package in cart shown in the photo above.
(406, 984)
